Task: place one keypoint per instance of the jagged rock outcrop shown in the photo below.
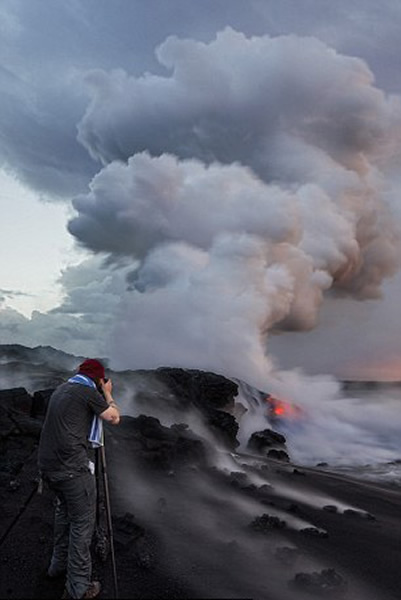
(210, 394)
(151, 445)
(269, 443)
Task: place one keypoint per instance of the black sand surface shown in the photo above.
(195, 520)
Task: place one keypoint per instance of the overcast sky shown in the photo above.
(205, 184)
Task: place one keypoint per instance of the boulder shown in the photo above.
(266, 523)
(126, 530)
(266, 440)
(278, 455)
(314, 532)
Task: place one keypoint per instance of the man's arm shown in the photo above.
(111, 414)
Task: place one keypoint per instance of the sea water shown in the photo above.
(382, 400)
(354, 429)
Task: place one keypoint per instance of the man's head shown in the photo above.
(92, 368)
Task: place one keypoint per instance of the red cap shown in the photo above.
(92, 368)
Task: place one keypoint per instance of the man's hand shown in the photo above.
(111, 414)
(107, 386)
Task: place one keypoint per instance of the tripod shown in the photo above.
(101, 465)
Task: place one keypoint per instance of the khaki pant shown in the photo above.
(74, 523)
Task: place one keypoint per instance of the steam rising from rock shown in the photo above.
(261, 189)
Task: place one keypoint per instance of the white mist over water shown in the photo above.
(346, 430)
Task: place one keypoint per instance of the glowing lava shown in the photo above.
(281, 409)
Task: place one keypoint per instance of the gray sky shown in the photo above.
(207, 184)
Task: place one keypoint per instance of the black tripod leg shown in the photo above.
(100, 537)
(109, 521)
(97, 475)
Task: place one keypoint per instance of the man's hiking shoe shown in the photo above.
(92, 591)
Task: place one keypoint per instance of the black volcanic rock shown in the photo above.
(326, 583)
(278, 455)
(27, 426)
(200, 388)
(16, 400)
(266, 523)
(357, 514)
(41, 369)
(330, 508)
(40, 402)
(152, 445)
(18, 430)
(239, 479)
(224, 426)
(210, 394)
(126, 530)
(260, 441)
(314, 532)
(19, 435)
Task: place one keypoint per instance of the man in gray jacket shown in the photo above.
(64, 463)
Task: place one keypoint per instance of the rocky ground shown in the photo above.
(192, 516)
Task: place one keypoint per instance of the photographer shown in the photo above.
(64, 464)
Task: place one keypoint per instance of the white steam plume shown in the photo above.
(246, 182)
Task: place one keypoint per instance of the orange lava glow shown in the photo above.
(281, 408)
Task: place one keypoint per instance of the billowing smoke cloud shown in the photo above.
(243, 185)
(237, 98)
(46, 48)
